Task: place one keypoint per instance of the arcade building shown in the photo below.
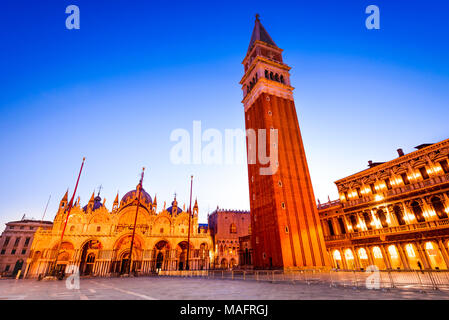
(393, 215)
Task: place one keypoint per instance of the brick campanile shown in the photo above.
(286, 229)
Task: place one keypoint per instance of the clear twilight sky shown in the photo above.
(114, 91)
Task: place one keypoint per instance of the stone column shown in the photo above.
(443, 252)
(403, 256)
(386, 256)
(405, 208)
(357, 263)
(427, 207)
(337, 230)
(391, 218)
(370, 256)
(343, 259)
(423, 256)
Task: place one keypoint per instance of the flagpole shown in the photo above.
(69, 208)
(190, 215)
(45, 211)
(135, 221)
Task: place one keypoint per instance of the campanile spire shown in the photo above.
(286, 229)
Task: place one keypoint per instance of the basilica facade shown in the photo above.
(97, 241)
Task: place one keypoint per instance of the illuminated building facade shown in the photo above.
(226, 226)
(286, 229)
(97, 240)
(393, 215)
(15, 244)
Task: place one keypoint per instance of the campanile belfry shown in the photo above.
(286, 229)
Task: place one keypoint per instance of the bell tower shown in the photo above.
(286, 229)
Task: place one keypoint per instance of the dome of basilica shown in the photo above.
(145, 198)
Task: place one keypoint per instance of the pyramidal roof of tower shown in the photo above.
(259, 33)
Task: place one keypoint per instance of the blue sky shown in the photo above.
(114, 91)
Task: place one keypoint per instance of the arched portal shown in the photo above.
(161, 256)
(181, 254)
(203, 256)
(64, 256)
(435, 258)
(122, 249)
(224, 264)
(89, 252)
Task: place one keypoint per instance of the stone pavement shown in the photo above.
(172, 288)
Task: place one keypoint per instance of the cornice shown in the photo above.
(270, 87)
(406, 158)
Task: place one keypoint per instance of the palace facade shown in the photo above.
(393, 215)
(97, 241)
(226, 226)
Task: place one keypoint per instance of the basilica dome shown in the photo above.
(145, 198)
(170, 209)
(97, 204)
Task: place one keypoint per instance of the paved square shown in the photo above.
(172, 288)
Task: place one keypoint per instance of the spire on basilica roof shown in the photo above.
(66, 196)
(92, 198)
(259, 33)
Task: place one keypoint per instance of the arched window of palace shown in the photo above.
(435, 258)
(363, 258)
(398, 214)
(349, 259)
(342, 225)
(353, 220)
(233, 228)
(438, 206)
(378, 258)
(377, 253)
(417, 211)
(394, 257)
(382, 218)
(337, 258)
(367, 218)
(331, 228)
